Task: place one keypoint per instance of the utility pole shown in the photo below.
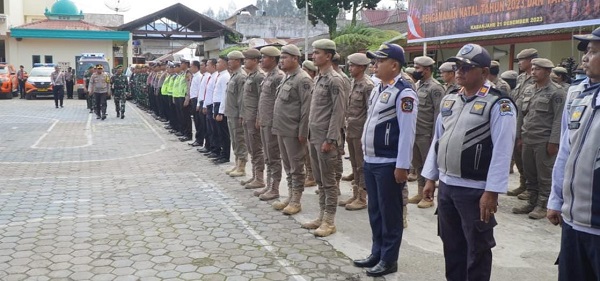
(306, 32)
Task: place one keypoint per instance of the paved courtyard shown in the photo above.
(84, 199)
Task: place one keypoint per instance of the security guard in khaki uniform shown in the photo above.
(449, 77)
(510, 77)
(290, 124)
(497, 82)
(430, 93)
(251, 97)
(266, 104)
(335, 63)
(311, 69)
(356, 115)
(523, 80)
(233, 106)
(560, 76)
(542, 107)
(325, 123)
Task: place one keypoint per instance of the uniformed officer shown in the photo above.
(335, 63)
(560, 75)
(90, 98)
(233, 108)
(290, 124)
(220, 93)
(539, 121)
(474, 138)
(100, 89)
(573, 202)
(251, 98)
(409, 73)
(387, 142)
(356, 115)
(448, 76)
(326, 120)
(120, 88)
(430, 93)
(198, 69)
(266, 103)
(523, 80)
(174, 97)
(510, 76)
(312, 70)
(497, 82)
(212, 149)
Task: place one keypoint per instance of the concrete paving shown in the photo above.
(84, 199)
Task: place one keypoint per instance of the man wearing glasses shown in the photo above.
(473, 144)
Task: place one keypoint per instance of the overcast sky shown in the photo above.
(141, 8)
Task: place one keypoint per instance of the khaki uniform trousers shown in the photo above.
(420, 150)
(324, 166)
(293, 154)
(356, 160)
(254, 144)
(537, 167)
(271, 152)
(236, 131)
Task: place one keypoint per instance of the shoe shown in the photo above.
(103, 116)
(203, 150)
(122, 115)
(118, 114)
(516, 191)
(61, 106)
(213, 155)
(382, 268)
(349, 177)
(221, 161)
(168, 127)
(91, 111)
(526, 209)
(184, 139)
(538, 213)
(369, 261)
(179, 134)
(57, 106)
(98, 117)
(172, 131)
(194, 144)
(208, 153)
(524, 195)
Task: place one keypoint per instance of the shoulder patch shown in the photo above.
(558, 100)
(407, 104)
(306, 86)
(506, 108)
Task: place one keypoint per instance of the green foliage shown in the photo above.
(228, 50)
(356, 6)
(326, 11)
(352, 39)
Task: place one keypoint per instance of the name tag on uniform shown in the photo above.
(478, 107)
(385, 97)
(447, 108)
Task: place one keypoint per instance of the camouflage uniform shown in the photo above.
(120, 87)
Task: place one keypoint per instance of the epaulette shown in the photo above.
(402, 84)
(454, 92)
(578, 81)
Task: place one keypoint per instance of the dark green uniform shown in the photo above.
(119, 85)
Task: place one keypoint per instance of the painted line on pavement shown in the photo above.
(43, 136)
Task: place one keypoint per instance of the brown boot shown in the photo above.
(233, 169)
(517, 191)
(240, 171)
(327, 226)
(273, 192)
(349, 177)
(525, 209)
(314, 224)
(412, 177)
(258, 181)
(425, 203)
(418, 197)
(310, 182)
(343, 203)
(280, 205)
(404, 215)
(360, 202)
(294, 206)
(524, 196)
(245, 182)
(538, 212)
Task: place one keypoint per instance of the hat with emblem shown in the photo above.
(99, 66)
(252, 53)
(509, 74)
(270, 51)
(586, 38)
(291, 49)
(527, 54)
(472, 54)
(324, 44)
(560, 70)
(542, 62)
(424, 61)
(388, 50)
(309, 65)
(235, 55)
(359, 59)
(447, 67)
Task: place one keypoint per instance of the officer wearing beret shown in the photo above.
(310, 68)
(510, 76)
(119, 87)
(326, 121)
(497, 82)
(539, 122)
(523, 81)
(387, 143)
(430, 93)
(560, 75)
(266, 103)
(448, 76)
(474, 138)
(290, 124)
(100, 89)
(233, 110)
(573, 202)
(356, 115)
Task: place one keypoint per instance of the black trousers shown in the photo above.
(100, 99)
(224, 139)
(22, 88)
(579, 257)
(173, 119)
(59, 94)
(150, 94)
(199, 121)
(211, 129)
(70, 89)
(184, 117)
(468, 241)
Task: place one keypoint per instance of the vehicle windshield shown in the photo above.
(41, 72)
(82, 67)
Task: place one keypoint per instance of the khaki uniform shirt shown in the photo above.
(268, 95)
(523, 80)
(450, 87)
(408, 79)
(252, 89)
(99, 83)
(235, 92)
(292, 107)
(430, 93)
(327, 108)
(540, 117)
(358, 103)
(501, 85)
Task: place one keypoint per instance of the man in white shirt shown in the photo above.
(198, 69)
(207, 108)
(222, 140)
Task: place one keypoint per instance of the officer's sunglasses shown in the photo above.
(463, 67)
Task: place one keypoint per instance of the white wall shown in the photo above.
(21, 52)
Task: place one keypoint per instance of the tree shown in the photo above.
(356, 6)
(222, 14)
(353, 39)
(210, 13)
(327, 12)
(261, 5)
